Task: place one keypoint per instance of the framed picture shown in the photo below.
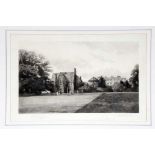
(78, 76)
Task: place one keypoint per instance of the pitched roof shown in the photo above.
(69, 76)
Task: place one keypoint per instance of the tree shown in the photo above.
(33, 73)
(134, 79)
(118, 86)
(102, 83)
(122, 86)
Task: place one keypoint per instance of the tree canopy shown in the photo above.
(134, 79)
(129, 85)
(33, 73)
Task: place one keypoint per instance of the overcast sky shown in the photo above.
(89, 58)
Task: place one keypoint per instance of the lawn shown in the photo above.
(113, 103)
(55, 104)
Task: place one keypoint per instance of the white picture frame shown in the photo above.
(11, 114)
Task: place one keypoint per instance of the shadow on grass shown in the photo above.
(113, 103)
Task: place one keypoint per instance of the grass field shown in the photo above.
(60, 104)
(113, 103)
(81, 103)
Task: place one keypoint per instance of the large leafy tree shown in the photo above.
(33, 73)
(134, 79)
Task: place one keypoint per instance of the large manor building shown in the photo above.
(110, 81)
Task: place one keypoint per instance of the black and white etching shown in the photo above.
(78, 76)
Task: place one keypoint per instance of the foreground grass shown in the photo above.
(55, 104)
(113, 103)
